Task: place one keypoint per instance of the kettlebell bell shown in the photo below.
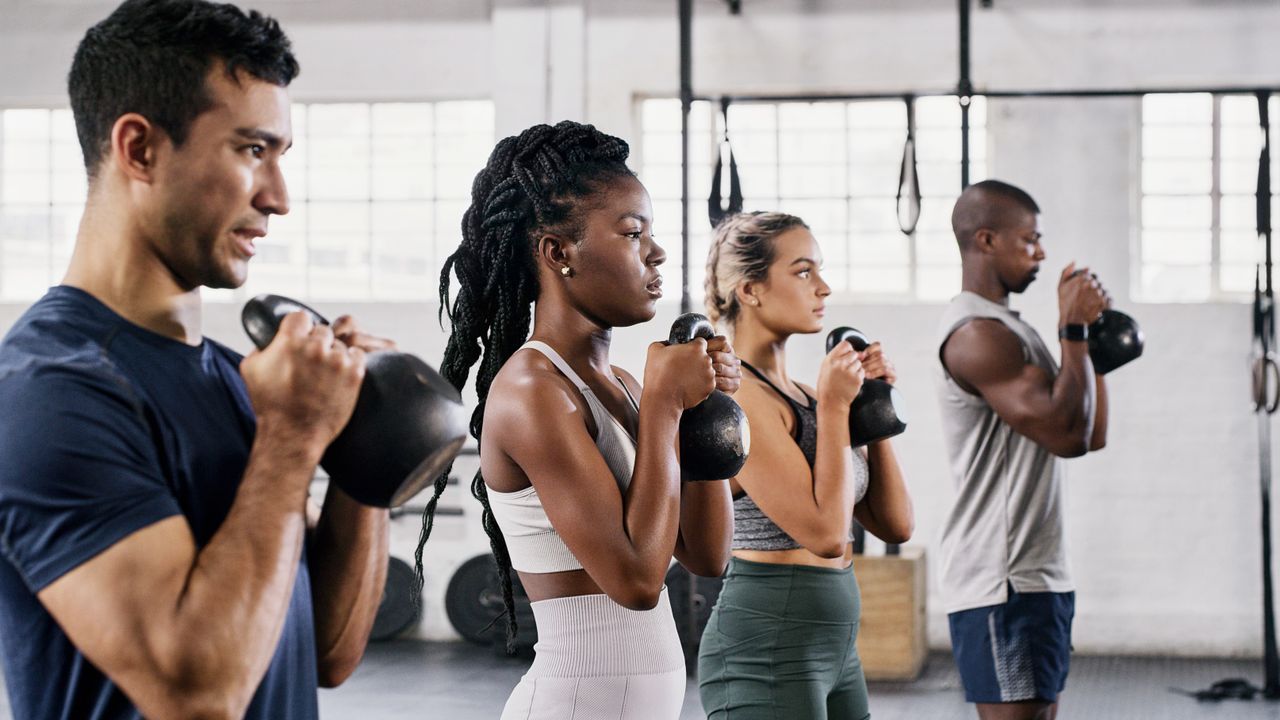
(714, 435)
(408, 424)
(876, 413)
(1114, 340)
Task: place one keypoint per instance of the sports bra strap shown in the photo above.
(558, 361)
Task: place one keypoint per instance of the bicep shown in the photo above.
(574, 483)
(988, 358)
(776, 475)
(113, 606)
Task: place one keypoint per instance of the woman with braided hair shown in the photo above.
(579, 476)
(780, 641)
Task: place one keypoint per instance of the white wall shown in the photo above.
(1164, 522)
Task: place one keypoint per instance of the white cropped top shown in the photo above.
(534, 544)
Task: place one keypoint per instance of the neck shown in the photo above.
(581, 341)
(982, 280)
(114, 262)
(763, 348)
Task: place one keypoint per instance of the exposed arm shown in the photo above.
(986, 357)
(625, 540)
(815, 508)
(348, 561)
(886, 510)
(189, 632)
(1099, 439)
(706, 527)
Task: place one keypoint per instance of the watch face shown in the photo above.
(1074, 332)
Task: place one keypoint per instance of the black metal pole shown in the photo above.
(964, 88)
(1264, 339)
(686, 105)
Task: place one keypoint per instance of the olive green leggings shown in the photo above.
(780, 646)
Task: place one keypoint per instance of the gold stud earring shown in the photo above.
(565, 271)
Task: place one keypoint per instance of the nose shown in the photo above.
(823, 289)
(657, 255)
(272, 197)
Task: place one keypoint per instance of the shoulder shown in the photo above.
(528, 385)
(983, 349)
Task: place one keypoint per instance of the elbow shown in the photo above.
(334, 670)
(1071, 449)
(829, 547)
(707, 567)
(206, 702)
(899, 532)
(637, 595)
(1098, 443)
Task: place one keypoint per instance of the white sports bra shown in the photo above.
(534, 544)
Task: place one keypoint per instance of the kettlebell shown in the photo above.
(876, 413)
(408, 424)
(1114, 340)
(714, 435)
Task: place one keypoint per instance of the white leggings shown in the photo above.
(596, 660)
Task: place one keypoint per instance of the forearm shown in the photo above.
(833, 493)
(348, 562)
(887, 510)
(706, 527)
(1072, 401)
(651, 503)
(1099, 438)
(231, 609)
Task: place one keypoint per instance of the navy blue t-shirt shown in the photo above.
(105, 429)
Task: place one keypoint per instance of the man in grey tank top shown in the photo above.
(1009, 412)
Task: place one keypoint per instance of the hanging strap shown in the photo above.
(908, 178)
(716, 211)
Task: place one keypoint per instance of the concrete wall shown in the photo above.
(1164, 523)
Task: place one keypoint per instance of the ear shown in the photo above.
(556, 252)
(748, 293)
(134, 145)
(984, 240)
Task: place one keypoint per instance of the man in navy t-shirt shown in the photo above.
(155, 555)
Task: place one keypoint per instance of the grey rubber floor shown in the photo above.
(410, 680)
(404, 679)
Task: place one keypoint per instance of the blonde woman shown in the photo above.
(781, 638)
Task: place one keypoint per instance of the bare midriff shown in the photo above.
(547, 586)
(797, 556)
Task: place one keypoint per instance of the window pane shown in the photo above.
(1188, 177)
(1177, 283)
(1176, 212)
(1180, 248)
(1177, 109)
(1162, 141)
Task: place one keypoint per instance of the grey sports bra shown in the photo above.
(752, 529)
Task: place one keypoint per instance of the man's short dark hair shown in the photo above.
(989, 204)
(151, 57)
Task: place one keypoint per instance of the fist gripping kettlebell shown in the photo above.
(876, 413)
(714, 435)
(408, 424)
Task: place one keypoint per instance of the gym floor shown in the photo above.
(415, 680)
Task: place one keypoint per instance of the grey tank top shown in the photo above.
(533, 542)
(1006, 526)
(752, 529)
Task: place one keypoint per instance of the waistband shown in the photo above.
(593, 636)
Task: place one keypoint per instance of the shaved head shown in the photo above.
(989, 204)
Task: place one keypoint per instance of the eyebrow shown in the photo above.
(633, 216)
(271, 140)
(799, 260)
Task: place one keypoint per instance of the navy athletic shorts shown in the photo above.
(1017, 651)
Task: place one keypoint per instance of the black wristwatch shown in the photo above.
(1077, 332)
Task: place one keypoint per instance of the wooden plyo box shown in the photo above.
(892, 639)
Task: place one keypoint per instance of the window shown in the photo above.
(1198, 236)
(836, 165)
(377, 193)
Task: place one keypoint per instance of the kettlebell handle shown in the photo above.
(854, 337)
(689, 326)
(262, 315)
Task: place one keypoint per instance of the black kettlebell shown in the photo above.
(408, 425)
(714, 435)
(1114, 340)
(876, 413)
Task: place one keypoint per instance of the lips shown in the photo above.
(244, 240)
(654, 288)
